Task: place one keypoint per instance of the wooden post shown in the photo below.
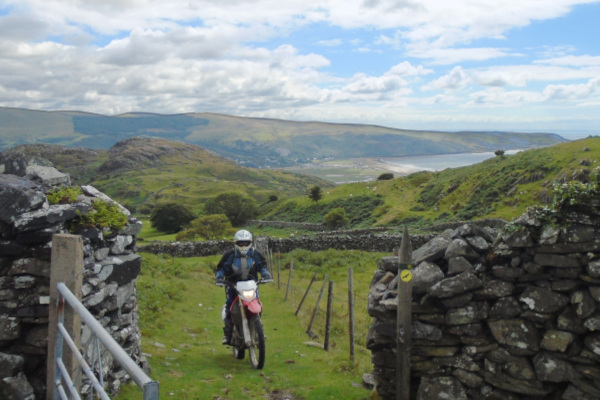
(287, 292)
(351, 311)
(312, 320)
(278, 272)
(271, 261)
(328, 321)
(66, 265)
(306, 294)
(404, 319)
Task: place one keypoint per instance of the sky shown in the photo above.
(522, 65)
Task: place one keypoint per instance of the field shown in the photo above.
(179, 309)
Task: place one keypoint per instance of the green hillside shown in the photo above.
(143, 172)
(254, 142)
(502, 187)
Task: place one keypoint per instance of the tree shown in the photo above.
(208, 227)
(499, 153)
(336, 218)
(315, 194)
(386, 176)
(236, 207)
(171, 217)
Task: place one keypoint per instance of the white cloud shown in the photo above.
(456, 79)
(330, 42)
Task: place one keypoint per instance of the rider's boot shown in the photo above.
(227, 331)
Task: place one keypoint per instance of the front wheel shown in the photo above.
(257, 349)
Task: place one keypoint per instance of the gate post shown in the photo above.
(404, 319)
(66, 266)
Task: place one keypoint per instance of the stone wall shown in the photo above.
(366, 241)
(111, 266)
(510, 314)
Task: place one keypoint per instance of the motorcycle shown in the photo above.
(246, 314)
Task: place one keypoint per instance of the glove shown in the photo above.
(220, 282)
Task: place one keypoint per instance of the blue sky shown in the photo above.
(524, 65)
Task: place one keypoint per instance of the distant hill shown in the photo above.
(254, 142)
(142, 172)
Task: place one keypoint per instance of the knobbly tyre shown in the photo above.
(247, 324)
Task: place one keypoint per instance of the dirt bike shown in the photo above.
(247, 325)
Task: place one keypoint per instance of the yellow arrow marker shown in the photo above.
(406, 276)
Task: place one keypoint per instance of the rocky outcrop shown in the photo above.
(511, 314)
(111, 266)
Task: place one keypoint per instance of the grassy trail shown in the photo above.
(182, 330)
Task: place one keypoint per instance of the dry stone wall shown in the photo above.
(111, 266)
(366, 241)
(511, 314)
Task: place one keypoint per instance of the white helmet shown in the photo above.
(243, 241)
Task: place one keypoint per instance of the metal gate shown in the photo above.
(62, 380)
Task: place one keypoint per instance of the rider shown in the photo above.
(240, 263)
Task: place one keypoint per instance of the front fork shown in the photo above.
(245, 328)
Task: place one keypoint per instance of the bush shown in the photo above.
(235, 206)
(336, 218)
(208, 227)
(170, 217)
(386, 176)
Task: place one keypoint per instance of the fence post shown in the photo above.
(328, 321)
(66, 266)
(287, 292)
(312, 320)
(351, 311)
(306, 293)
(404, 319)
(278, 272)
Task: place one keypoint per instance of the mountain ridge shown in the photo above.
(256, 142)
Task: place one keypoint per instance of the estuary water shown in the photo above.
(439, 162)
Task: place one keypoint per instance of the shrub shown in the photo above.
(336, 218)
(170, 217)
(208, 227)
(386, 176)
(235, 206)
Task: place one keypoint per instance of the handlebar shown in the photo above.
(222, 283)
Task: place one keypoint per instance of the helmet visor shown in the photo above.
(243, 243)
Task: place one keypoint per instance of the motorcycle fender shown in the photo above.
(254, 306)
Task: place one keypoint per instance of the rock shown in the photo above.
(441, 388)
(555, 340)
(425, 275)
(543, 300)
(460, 248)
(18, 196)
(519, 335)
(431, 251)
(47, 176)
(553, 369)
(455, 285)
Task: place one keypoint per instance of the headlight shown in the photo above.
(248, 294)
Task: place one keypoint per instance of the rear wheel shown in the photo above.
(257, 349)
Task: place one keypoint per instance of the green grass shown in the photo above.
(179, 309)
